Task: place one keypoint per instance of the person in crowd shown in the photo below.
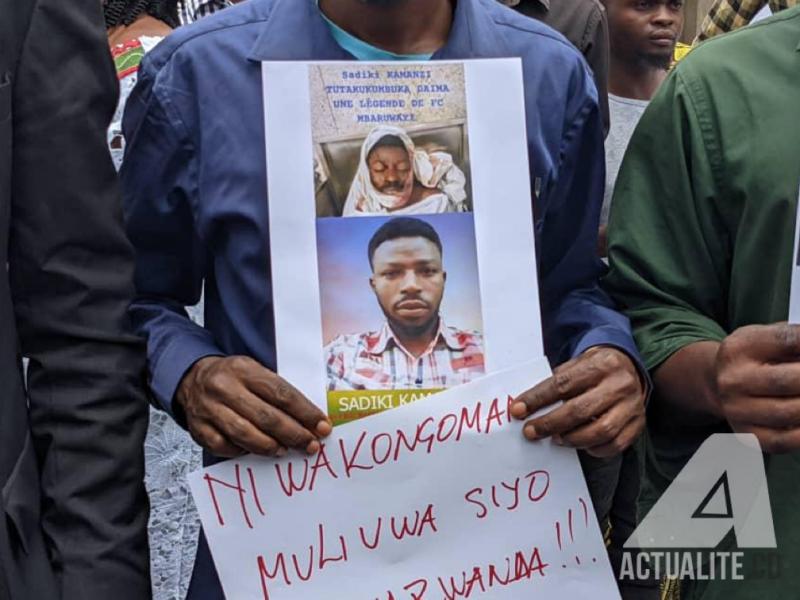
(701, 242)
(395, 177)
(71, 468)
(202, 216)
(194, 10)
(584, 24)
(134, 28)
(414, 348)
(643, 35)
(727, 15)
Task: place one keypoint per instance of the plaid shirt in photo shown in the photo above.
(376, 360)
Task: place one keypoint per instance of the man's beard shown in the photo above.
(413, 331)
(658, 61)
(408, 329)
(393, 189)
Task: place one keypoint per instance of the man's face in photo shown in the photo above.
(408, 280)
(391, 172)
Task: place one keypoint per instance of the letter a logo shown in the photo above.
(723, 486)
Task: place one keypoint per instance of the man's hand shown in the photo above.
(603, 411)
(234, 405)
(758, 384)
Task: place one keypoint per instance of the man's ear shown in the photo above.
(372, 283)
(444, 276)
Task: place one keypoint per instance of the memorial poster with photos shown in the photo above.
(403, 255)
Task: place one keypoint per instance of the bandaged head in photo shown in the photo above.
(434, 170)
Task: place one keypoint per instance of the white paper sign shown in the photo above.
(439, 499)
(463, 126)
(794, 290)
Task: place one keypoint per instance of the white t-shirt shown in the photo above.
(625, 114)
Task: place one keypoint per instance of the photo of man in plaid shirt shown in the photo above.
(414, 349)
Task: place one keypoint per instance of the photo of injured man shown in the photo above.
(393, 171)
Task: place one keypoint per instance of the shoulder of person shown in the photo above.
(466, 337)
(743, 52)
(201, 38)
(16, 22)
(528, 37)
(554, 70)
(576, 19)
(349, 342)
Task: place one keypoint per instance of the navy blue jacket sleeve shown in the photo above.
(576, 313)
(159, 182)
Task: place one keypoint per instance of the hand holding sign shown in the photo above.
(234, 405)
(603, 409)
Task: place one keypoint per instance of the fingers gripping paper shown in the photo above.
(439, 499)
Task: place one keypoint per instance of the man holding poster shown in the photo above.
(195, 182)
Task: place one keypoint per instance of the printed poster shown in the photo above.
(401, 228)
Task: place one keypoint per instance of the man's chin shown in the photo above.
(661, 59)
(420, 314)
(399, 195)
(413, 323)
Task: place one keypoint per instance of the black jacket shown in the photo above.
(73, 508)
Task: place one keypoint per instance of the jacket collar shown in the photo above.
(295, 30)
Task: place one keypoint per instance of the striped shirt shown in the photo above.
(376, 360)
(190, 11)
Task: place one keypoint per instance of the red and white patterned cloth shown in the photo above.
(376, 360)
(190, 11)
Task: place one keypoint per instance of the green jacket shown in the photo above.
(701, 241)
